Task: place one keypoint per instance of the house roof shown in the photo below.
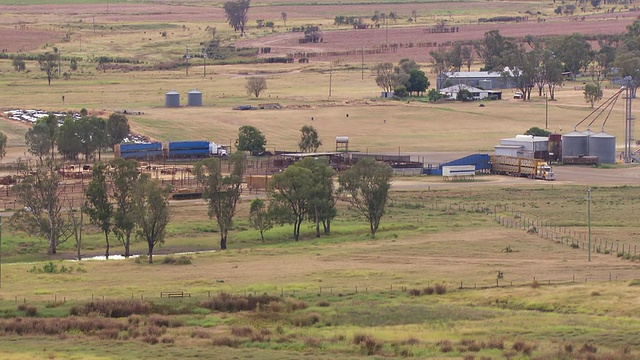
(473, 74)
(456, 88)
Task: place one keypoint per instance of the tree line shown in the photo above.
(126, 204)
(542, 63)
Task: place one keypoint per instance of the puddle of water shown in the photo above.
(121, 257)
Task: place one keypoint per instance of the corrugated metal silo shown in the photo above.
(603, 146)
(555, 147)
(575, 143)
(195, 98)
(172, 99)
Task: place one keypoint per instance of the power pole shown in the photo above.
(0, 251)
(589, 218)
(187, 57)
(330, 78)
(362, 62)
(204, 61)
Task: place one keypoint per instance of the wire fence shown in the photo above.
(435, 289)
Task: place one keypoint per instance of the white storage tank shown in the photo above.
(172, 99)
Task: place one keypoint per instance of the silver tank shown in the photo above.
(195, 98)
(603, 146)
(172, 99)
(575, 143)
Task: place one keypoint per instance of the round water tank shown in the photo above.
(172, 99)
(195, 98)
(555, 147)
(603, 146)
(575, 143)
(342, 139)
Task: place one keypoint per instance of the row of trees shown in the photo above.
(86, 135)
(118, 200)
(252, 140)
(404, 78)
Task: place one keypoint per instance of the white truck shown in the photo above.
(217, 150)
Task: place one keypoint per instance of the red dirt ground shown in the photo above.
(40, 23)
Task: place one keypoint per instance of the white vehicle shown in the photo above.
(518, 95)
(217, 150)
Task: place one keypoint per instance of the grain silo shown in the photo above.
(603, 146)
(172, 99)
(195, 98)
(575, 143)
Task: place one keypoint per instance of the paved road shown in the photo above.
(565, 175)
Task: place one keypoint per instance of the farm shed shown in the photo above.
(481, 79)
(478, 94)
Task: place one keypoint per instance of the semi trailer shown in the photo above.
(521, 166)
(169, 150)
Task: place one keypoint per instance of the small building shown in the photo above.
(386, 94)
(481, 79)
(478, 94)
(527, 146)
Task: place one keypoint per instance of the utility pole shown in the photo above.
(204, 61)
(589, 218)
(0, 251)
(94, 24)
(362, 66)
(546, 111)
(330, 78)
(187, 57)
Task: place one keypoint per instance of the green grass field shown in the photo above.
(345, 295)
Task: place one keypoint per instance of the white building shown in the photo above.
(478, 94)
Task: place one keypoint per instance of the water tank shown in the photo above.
(555, 147)
(603, 146)
(575, 143)
(195, 98)
(172, 99)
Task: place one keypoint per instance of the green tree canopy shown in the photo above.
(251, 139)
(368, 183)
(97, 202)
(117, 128)
(151, 212)
(236, 12)
(309, 141)
(48, 64)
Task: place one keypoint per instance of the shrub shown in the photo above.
(369, 346)
(441, 289)
(153, 331)
(522, 347)
(496, 344)
(414, 292)
(429, 290)
(231, 303)
(241, 331)
(445, 346)
(588, 348)
(150, 340)
(225, 341)
(113, 308)
(595, 293)
(182, 260)
(535, 284)
(30, 311)
(158, 320)
(568, 348)
(313, 342)
(469, 357)
(200, 334)
(323, 303)
(167, 340)
(308, 319)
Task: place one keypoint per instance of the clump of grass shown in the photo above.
(158, 320)
(495, 344)
(200, 334)
(225, 341)
(523, 347)
(313, 342)
(182, 260)
(441, 289)
(445, 346)
(226, 302)
(469, 357)
(368, 344)
(428, 290)
(472, 345)
(57, 326)
(113, 308)
(535, 284)
(414, 292)
(30, 311)
(304, 320)
(323, 303)
(241, 331)
(588, 348)
(595, 293)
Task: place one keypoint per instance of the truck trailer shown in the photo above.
(169, 150)
(520, 166)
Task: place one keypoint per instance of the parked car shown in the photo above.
(518, 95)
